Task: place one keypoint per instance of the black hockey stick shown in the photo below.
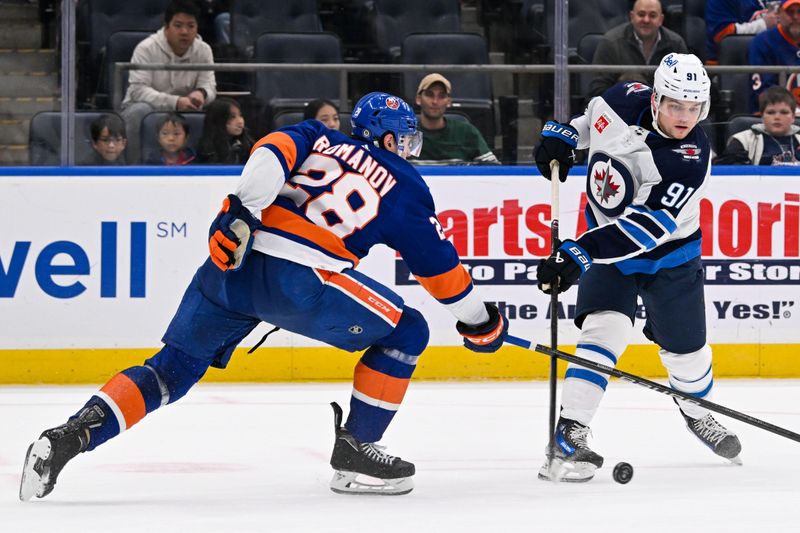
(652, 385)
(554, 244)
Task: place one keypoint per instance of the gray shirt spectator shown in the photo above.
(168, 90)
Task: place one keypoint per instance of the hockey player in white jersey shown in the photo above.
(649, 164)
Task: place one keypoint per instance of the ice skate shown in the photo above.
(721, 440)
(55, 447)
(573, 461)
(353, 460)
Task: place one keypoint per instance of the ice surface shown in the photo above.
(241, 458)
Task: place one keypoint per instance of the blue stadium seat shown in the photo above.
(251, 18)
(394, 20)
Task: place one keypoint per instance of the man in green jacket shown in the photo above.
(447, 142)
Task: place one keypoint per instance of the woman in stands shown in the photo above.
(323, 110)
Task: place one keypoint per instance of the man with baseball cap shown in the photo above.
(777, 46)
(447, 142)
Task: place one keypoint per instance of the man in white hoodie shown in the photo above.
(169, 90)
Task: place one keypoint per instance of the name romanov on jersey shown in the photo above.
(376, 175)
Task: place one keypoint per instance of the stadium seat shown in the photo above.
(282, 90)
(149, 135)
(119, 49)
(44, 139)
(395, 20)
(585, 54)
(251, 18)
(694, 27)
(734, 50)
(739, 123)
(109, 16)
(586, 16)
(472, 91)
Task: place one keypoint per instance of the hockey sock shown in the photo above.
(382, 375)
(604, 336)
(139, 390)
(690, 373)
(124, 400)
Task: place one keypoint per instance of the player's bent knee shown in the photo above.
(177, 370)
(687, 365)
(608, 329)
(411, 334)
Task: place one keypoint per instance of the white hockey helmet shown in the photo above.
(681, 77)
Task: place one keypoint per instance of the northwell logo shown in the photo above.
(57, 276)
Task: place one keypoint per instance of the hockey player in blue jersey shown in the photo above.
(310, 203)
(648, 167)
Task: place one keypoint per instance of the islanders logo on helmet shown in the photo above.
(393, 103)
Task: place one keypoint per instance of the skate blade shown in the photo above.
(737, 461)
(355, 483)
(33, 482)
(559, 470)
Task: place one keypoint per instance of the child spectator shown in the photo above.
(173, 136)
(776, 141)
(225, 139)
(108, 141)
(323, 110)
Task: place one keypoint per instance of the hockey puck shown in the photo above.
(623, 472)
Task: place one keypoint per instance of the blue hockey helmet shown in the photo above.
(377, 113)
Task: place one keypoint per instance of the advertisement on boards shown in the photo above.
(102, 261)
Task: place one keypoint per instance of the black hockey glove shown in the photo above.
(487, 337)
(230, 236)
(566, 265)
(558, 143)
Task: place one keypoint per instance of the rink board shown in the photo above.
(94, 261)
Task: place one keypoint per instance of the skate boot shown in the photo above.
(55, 447)
(721, 440)
(391, 476)
(573, 461)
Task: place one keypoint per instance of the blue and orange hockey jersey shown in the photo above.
(325, 199)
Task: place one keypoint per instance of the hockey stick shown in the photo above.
(554, 244)
(652, 385)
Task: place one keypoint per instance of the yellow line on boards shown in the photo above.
(277, 364)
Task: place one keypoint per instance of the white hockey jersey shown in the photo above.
(644, 189)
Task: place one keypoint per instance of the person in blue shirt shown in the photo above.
(778, 46)
(736, 17)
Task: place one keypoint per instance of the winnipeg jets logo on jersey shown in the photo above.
(610, 184)
(690, 152)
(635, 87)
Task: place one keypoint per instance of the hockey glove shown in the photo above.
(486, 337)
(231, 234)
(564, 267)
(558, 143)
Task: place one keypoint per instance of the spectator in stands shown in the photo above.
(108, 141)
(176, 43)
(173, 137)
(737, 17)
(776, 141)
(225, 138)
(323, 110)
(446, 142)
(777, 46)
(642, 41)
